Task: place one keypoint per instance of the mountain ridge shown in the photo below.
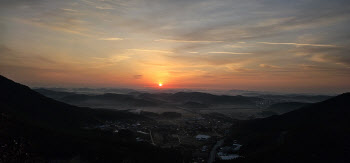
(320, 130)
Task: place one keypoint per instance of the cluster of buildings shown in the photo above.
(196, 134)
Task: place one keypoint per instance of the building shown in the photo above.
(228, 157)
(202, 137)
(229, 152)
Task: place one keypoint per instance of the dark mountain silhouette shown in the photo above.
(192, 104)
(35, 128)
(159, 97)
(107, 99)
(316, 133)
(207, 98)
(285, 107)
(171, 115)
(203, 98)
(297, 98)
(53, 93)
(96, 100)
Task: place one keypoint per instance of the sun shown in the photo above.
(160, 84)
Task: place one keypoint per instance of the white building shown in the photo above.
(228, 157)
(202, 137)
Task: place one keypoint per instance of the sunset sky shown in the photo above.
(285, 45)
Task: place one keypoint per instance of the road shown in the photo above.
(213, 150)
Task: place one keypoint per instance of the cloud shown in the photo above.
(318, 58)
(7, 3)
(104, 7)
(268, 66)
(238, 46)
(63, 24)
(331, 55)
(228, 53)
(189, 41)
(138, 76)
(111, 39)
(56, 15)
(15, 58)
(299, 44)
(326, 58)
(108, 61)
(70, 10)
(151, 50)
(271, 23)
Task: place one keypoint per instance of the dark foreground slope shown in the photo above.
(316, 133)
(34, 128)
(285, 107)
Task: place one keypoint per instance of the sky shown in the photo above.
(288, 46)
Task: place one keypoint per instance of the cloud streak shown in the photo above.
(138, 76)
(111, 39)
(188, 41)
(219, 52)
(151, 50)
(298, 44)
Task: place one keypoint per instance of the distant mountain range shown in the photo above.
(107, 99)
(199, 97)
(317, 132)
(273, 104)
(137, 99)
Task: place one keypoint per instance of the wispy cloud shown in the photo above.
(138, 76)
(268, 66)
(151, 50)
(238, 46)
(57, 27)
(330, 55)
(104, 7)
(318, 58)
(298, 44)
(111, 39)
(189, 41)
(70, 10)
(228, 53)
(102, 62)
(113, 59)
